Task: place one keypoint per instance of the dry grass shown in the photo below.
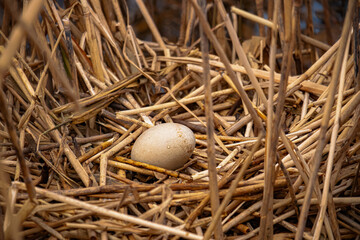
(276, 120)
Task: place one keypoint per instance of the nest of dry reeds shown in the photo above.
(276, 120)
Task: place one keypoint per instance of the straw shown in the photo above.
(86, 79)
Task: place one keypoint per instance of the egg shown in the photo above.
(167, 145)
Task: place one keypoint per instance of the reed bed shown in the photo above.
(276, 121)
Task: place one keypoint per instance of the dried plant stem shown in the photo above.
(113, 214)
(240, 52)
(318, 44)
(334, 133)
(173, 104)
(209, 114)
(46, 227)
(276, 220)
(266, 228)
(152, 167)
(252, 17)
(226, 62)
(270, 105)
(232, 188)
(28, 16)
(319, 63)
(327, 21)
(325, 120)
(55, 134)
(265, 22)
(91, 38)
(84, 86)
(151, 24)
(306, 85)
(270, 113)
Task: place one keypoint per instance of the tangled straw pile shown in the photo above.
(276, 120)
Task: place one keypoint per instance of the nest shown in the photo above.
(276, 121)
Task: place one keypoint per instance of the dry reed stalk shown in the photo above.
(213, 187)
(93, 44)
(154, 168)
(266, 227)
(173, 104)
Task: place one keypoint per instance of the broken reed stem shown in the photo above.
(173, 104)
(325, 120)
(153, 168)
(209, 114)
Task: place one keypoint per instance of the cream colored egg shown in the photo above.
(167, 145)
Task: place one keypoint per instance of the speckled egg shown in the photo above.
(167, 145)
